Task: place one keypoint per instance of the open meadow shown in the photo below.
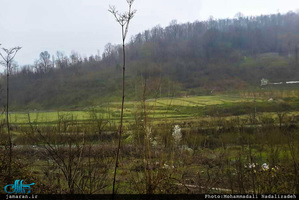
(173, 109)
(198, 144)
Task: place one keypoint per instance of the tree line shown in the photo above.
(191, 58)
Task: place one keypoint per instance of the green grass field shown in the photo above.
(218, 131)
(186, 108)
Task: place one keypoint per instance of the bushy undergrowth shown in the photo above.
(219, 155)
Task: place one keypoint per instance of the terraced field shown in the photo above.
(166, 108)
(174, 109)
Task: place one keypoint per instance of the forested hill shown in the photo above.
(192, 58)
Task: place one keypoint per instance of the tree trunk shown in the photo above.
(7, 121)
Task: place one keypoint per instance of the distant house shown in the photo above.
(266, 82)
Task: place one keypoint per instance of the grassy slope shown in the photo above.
(164, 108)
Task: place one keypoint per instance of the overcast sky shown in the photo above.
(86, 26)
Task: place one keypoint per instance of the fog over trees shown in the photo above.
(191, 58)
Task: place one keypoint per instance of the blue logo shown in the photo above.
(18, 187)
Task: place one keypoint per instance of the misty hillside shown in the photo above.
(192, 58)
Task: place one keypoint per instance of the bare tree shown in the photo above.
(61, 60)
(7, 62)
(66, 149)
(123, 19)
(44, 63)
(75, 58)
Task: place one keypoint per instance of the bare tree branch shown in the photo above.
(7, 59)
(123, 19)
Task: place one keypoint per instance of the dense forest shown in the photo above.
(211, 107)
(181, 59)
